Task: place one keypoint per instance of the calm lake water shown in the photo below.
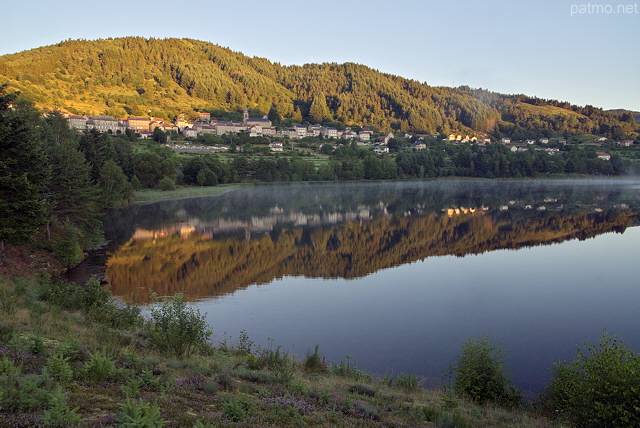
(397, 275)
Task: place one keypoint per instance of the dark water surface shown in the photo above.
(397, 275)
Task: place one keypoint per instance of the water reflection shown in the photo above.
(215, 246)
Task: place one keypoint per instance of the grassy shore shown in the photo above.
(149, 195)
(70, 358)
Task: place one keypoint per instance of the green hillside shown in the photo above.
(164, 77)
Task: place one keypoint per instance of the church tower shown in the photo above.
(245, 115)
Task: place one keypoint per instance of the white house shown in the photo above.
(276, 147)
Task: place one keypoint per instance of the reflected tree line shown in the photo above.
(193, 260)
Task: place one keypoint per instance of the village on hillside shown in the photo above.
(253, 126)
(263, 127)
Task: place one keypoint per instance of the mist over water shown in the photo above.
(397, 274)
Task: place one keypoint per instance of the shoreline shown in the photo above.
(185, 192)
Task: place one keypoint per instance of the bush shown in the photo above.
(349, 371)
(67, 247)
(368, 411)
(167, 183)
(599, 388)
(8, 302)
(480, 374)
(138, 413)
(59, 414)
(176, 328)
(237, 408)
(313, 363)
(363, 390)
(408, 382)
(69, 295)
(99, 368)
(116, 315)
(58, 367)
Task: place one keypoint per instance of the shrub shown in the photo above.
(279, 363)
(347, 370)
(8, 368)
(20, 393)
(368, 411)
(59, 414)
(451, 420)
(8, 302)
(167, 183)
(480, 374)
(58, 367)
(237, 408)
(176, 328)
(225, 381)
(408, 382)
(149, 379)
(139, 413)
(131, 389)
(116, 315)
(363, 389)
(313, 363)
(210, 388)
(67, 247)
(256, 376)
(599, 388)
(7, 332)
(69, 295)
(100, 367)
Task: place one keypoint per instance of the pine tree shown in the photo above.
(319, 110)
(23, 173)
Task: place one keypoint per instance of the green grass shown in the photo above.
(149, 195)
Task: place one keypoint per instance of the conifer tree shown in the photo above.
(23, 173)
(319, 110)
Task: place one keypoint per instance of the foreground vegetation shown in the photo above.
(70, 355)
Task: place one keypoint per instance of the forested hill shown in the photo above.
(164, 77)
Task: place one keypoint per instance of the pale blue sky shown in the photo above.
(532, 47)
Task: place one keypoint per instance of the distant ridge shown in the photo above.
(636, 114)
(134, 76)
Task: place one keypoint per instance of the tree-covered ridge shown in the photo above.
(136, 76)
(200, 266)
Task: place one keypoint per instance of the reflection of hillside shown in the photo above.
(192, 262)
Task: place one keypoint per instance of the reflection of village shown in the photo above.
(277, 217)
(257, 224)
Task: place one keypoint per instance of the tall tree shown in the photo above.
(113, 184)
(319, 110)
(22, 171)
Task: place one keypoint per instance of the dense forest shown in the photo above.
(54, 182)
(203, 266)
(165, 77)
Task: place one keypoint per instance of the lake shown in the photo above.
(396, 275)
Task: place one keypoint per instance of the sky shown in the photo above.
(584, 53)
